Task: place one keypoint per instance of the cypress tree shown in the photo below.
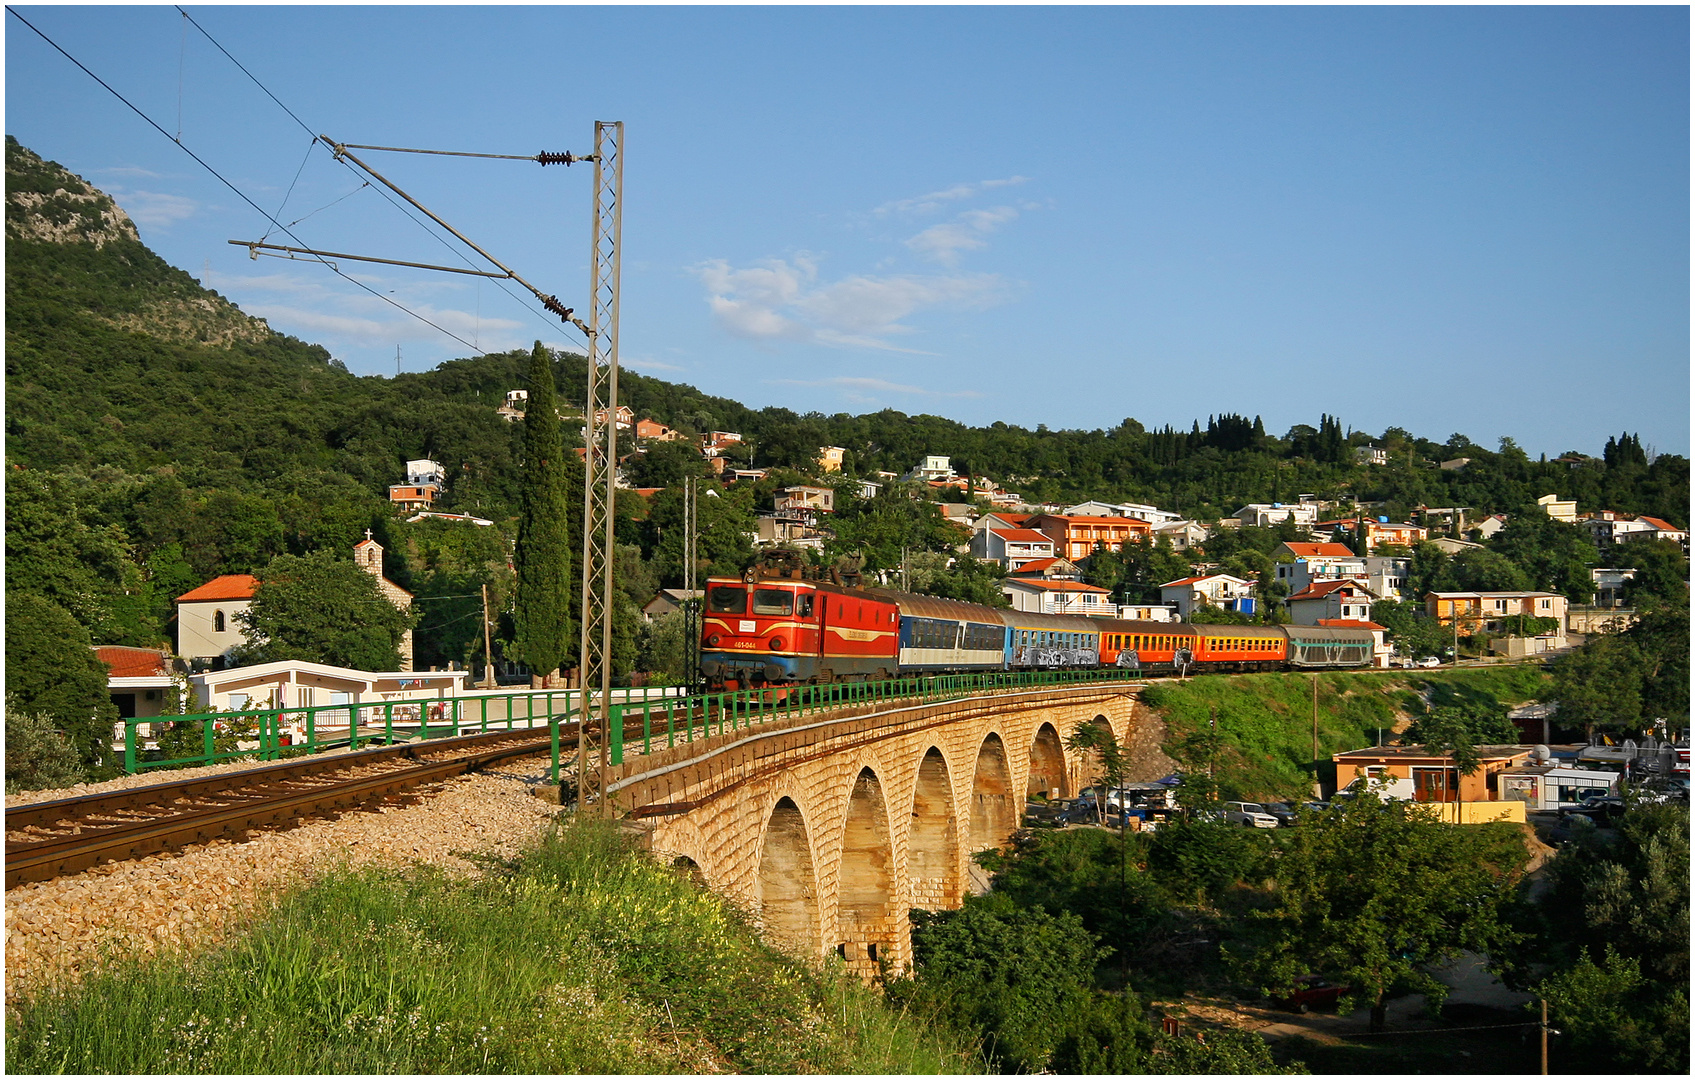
(542, 604)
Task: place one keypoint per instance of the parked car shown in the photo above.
(1429, 661)
(1601, 810)
(1282, 811)
(1077, 812)
(1310, 990)
(1249, 815)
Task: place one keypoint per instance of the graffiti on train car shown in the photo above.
(1048, 656)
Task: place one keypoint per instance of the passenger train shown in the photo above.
(776, 627)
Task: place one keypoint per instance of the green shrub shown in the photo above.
(38, 754)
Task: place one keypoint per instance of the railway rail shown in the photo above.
(65, 836)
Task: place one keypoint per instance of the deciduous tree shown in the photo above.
(51, 671)
(1371, 894)
(324, 609)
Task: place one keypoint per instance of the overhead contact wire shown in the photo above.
(239, 193)
(438, 238)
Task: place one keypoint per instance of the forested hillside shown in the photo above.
(157, 436)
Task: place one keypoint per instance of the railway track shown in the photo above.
(65, 836)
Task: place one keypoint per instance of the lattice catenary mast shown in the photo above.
(600, 440)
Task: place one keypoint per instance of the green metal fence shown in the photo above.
(641, 720)
(268, 734)
(645, 726)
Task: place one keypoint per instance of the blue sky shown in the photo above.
(1445, 219)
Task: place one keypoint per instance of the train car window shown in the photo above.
(773, 602)
(803, 605)
(727, 599)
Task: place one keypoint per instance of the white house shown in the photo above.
(1058, 597)
(1317, 562)
(1343, 598)
(1147, 612)
(1153, 515)
(1559, 509)
(1662, 530)
(140, 681)
(1217, 590)
(1386, 575)
(1012, 548)
(933, 467)
(206, 626)
(1453, 547)
(1263, 514)
(1183, 535)
(425, 471)
(298, 684)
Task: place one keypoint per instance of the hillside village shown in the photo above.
(160, 471)
(207, 517)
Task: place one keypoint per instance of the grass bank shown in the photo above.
(582, 956)
(1266, 721)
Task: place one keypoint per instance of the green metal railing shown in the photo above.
(641, 720)
(268, 734)
(661, 725)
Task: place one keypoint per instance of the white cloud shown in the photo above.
(782, 300)
(645, 363)
(154, 209)
(863, 388)
(967, 232)
(935, 200)
(128, 170)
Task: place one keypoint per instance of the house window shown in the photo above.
(217, 622)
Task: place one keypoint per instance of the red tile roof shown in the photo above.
(1023, 536)
(1661, 526)
(128, 662)
(1035, 566)
(1357, 624)
(227, 587)
(1315, 551)
(1325, 588)
(1201, 577)
(1063, 586)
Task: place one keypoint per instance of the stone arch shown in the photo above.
(866, 929)
(690, 869)
(1087, 763)
(932, 844)
(787, 884)
(1049, 777)
(993, 813)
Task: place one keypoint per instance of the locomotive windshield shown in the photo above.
(726, 599)
(772, 602)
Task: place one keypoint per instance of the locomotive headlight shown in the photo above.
(776, 644)
(713, 641)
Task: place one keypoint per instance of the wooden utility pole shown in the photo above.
(1544, 1036)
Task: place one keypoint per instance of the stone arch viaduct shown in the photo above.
(830, 828)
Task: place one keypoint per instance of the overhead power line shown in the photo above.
(543, 158)
(223, 180)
